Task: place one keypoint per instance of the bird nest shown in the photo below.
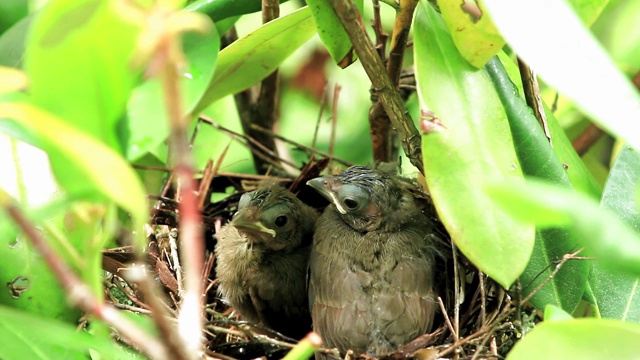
(477, 318)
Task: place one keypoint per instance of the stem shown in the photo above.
(191, 244)
(382, 84)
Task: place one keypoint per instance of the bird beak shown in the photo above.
(242, 221)
(321, 185)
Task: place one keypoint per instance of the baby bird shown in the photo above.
(371, 264)
(262, 258)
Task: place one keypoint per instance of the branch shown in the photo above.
(382, 84)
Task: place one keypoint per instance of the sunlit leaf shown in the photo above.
(614, 104)
(584, 339)
(83, 166)
(618, 32)
(252, 58)
(473, 32)
(473, 146)
(78, 61)
(618, 293)
(554, 313)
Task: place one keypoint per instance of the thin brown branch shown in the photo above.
(565, 258)
(586, 139)
(305, 148)
(334, 118)
(265, 154)
(446, 319)
(382, 134)
(382, 84)
(323, 103)
(532, 95)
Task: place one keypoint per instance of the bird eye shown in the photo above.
(350, 204)
(281, 221)
(352, 197)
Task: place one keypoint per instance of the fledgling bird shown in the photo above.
(262, 257)
(371, 286)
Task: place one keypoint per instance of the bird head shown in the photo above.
(363, 196)
(273, 217)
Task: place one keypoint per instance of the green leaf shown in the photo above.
(473, 147)
(616, 292)
(538, 159)
(475, 35)
(255, 56)
(222, 9)
(27, 336)
(617, 32)
(29, 283)
(614, 104)
(11, 12)
(147, 124)
(554, 313)
(83, 166)
(583, 339)
(604, 235)
(588, 10)
(78, 61)
(12, 43)
(332, 33)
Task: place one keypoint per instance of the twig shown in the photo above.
(563, 260)
(323, 103)
(305, 148)
(446, 319)
(334, 118)
(382, 134)
(78, 293)
(382, 84)
(272, 158)
(456, 284)
(593, 133)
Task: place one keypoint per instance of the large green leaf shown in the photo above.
(583, 339)
(27, 336)
(473, 146)
(605, 236)
(617, 293)
(475, 36)
(147, 124)
(78, 59)
(614, 103)
(538, 159)
(252, 58)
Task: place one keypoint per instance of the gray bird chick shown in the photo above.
(371, 264)
(262, 258)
